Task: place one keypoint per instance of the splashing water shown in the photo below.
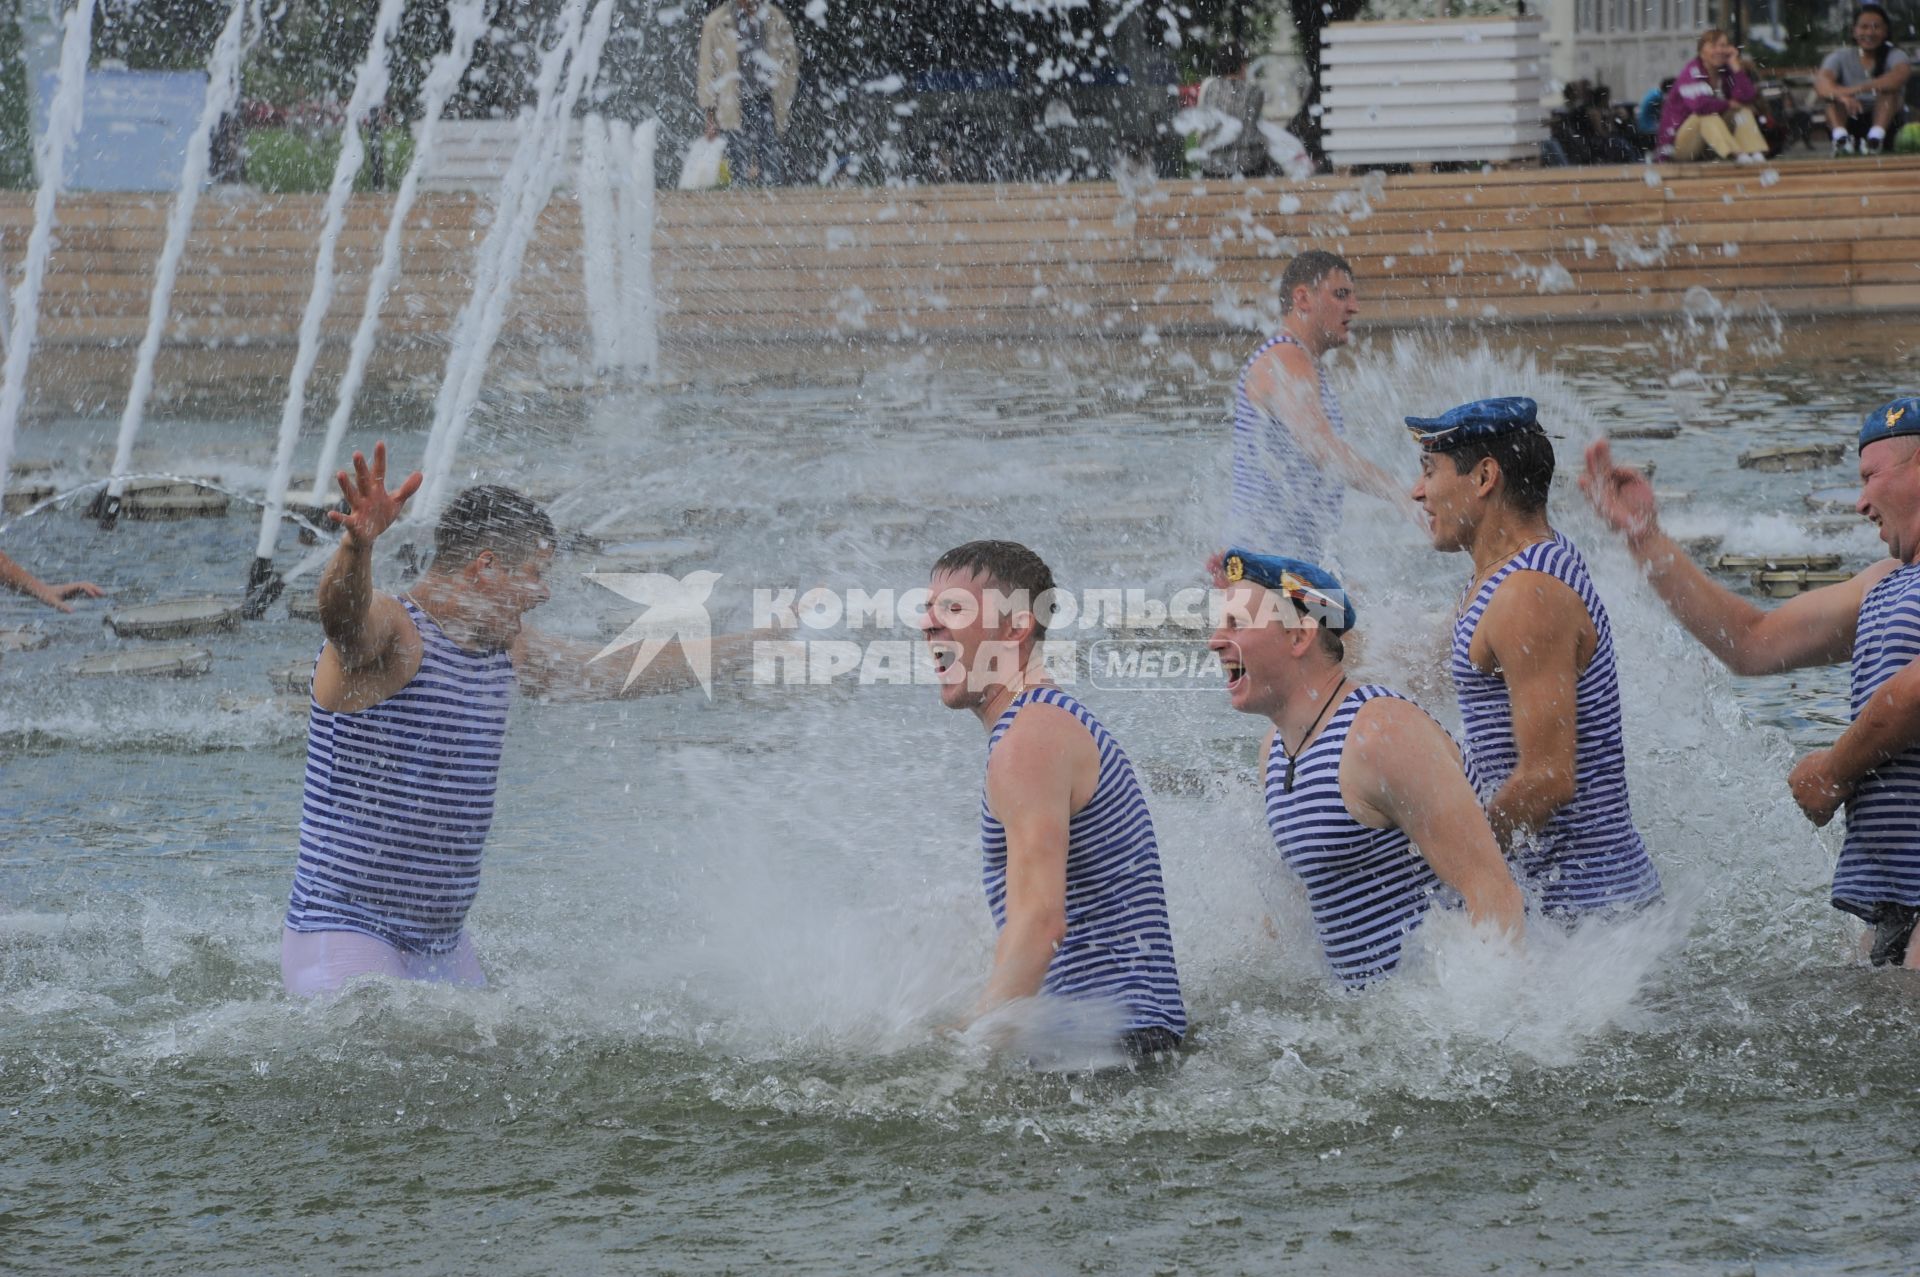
(369, 87)
(721, 935)
(63, 125)
(223, 87)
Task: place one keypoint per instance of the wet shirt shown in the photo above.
(1880, 860)
(1119, 942)
(1283, 503)
(1589, 856)
(399, 799)
(1368, 888)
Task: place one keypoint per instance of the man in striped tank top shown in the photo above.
(1364, 792)
(1873, 770)
(1291, 461)
(404, 734)
(1070, 863)
(1532, 663)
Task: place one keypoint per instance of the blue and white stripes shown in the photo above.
(399, 799)
(1368, 888)
(1282, 502)
(1119, 943)
(1880, 860)
(1589, 856)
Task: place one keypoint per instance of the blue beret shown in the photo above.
(1481, 419)
(1297, 579)
(1901, 417)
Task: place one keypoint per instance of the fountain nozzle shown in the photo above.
(263, 587)
(106, 509)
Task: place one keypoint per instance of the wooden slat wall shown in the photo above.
(1177, 257)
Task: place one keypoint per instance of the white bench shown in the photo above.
(473, 155)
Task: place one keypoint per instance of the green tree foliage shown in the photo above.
(157, 35)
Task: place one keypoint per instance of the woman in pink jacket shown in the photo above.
(1709, 109)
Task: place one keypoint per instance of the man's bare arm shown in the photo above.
(1815, 628)
(1888, 725)
(17, 578)
(1533, 627)
(1030, 792)
(563, 670)
(363, 626)
(1294, 399)
(1401, 770)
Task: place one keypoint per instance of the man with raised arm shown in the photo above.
(1071, 865)
(1291, 461)
(1874, 619)
(1532, 663)
(404, 735)
(1365, 796)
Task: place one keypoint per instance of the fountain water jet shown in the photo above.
(63, 125)
(223, 86)
(597, 242)
(370, 85)
(488, 260)
(469, 22)
(491, 311)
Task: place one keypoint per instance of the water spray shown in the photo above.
(370, 85)
(223, 87)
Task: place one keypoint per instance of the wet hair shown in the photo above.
(1525, 458)
(490, 517)
(1309, 270)
(1879, 67)
(1011, 567)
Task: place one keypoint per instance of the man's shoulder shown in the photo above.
(1388, 725)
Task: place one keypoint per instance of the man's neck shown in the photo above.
(440, 599)
(1306, 705)
(989, 710)
(1504, 534)
(1297, 328)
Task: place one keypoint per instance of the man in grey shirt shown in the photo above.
(1864, 86)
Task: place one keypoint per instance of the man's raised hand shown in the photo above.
(1621, 495)
(371, 508)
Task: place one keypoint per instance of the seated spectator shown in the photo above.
(748, 74)
(1710, 108)
(18, 579)
(1646, 121)
(1865, 86)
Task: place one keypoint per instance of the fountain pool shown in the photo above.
(719, 931)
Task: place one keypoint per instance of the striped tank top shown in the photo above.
(1589, 856)
(1119, 942)
(399, 798)
(1282, 502)
(1368, 888)
(1880, 860)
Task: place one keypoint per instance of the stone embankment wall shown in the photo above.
(874, 265)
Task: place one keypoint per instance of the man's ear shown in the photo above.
(480, 562)
(1486, 475)
(1021, 625)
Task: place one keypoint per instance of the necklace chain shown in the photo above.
(1293, 756)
